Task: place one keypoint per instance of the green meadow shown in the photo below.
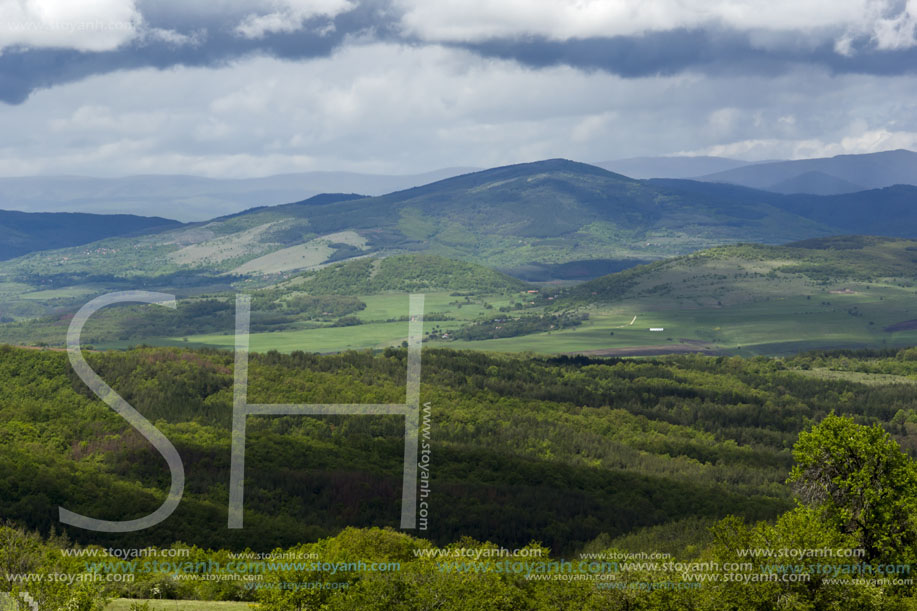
(781, 325)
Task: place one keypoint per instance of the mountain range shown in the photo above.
(546, 213)
(825, 176)
(195, 198)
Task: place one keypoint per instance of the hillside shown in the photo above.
(834, 259)
(366, 291)
(534, 445)
(849, 291)
(23, 232)
(402, 273)
(889, 211)
(548, 212)
(815, 183)
(869, 171)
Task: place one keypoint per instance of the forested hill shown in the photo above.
(25, 232)
(558, 450)
(757, 268)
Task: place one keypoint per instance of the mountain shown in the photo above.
(529, 217)
(191, 198)
(816, 183)
(23, 232)
(551, 211)
(890, 211)
(869, 171)
(670, 167)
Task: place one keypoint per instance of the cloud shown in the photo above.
(398, 108)
(898, 31)
(864, 141)
(481, 20)
(289, 16)
(888, 24)
(630, 38)
(197, 38)
(101, 25)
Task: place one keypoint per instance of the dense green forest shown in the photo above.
(560, 449)
(848, 543)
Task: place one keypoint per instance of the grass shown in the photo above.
(124, 604)
(67, 292)
(771, 325)
(325, 339)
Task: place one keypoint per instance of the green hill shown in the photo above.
(847, 291)
(25, 232)
(403, 273)
(744, 272)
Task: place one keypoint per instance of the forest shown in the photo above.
(683, 454)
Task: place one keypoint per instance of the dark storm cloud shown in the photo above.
(213, 42)
(710, 51)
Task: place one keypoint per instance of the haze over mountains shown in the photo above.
(192, 198)
(819, 176)
(826, 176)
(670, 167)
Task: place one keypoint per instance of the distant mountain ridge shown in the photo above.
(551, 218)
(858, 172)
(816, 183)
(192, 198)
(671, 166)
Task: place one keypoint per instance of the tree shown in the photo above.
(860, 482)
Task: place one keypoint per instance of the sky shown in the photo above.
(239, 88)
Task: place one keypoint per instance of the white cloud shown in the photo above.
(98, 25)
(867, 141)
(175, 38)
(768, 22)
(289, 16)
(898, 31)
(465, 20)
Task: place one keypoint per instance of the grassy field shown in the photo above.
(747, 300)
(377, 332)
(779, 325)
(124, 604)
